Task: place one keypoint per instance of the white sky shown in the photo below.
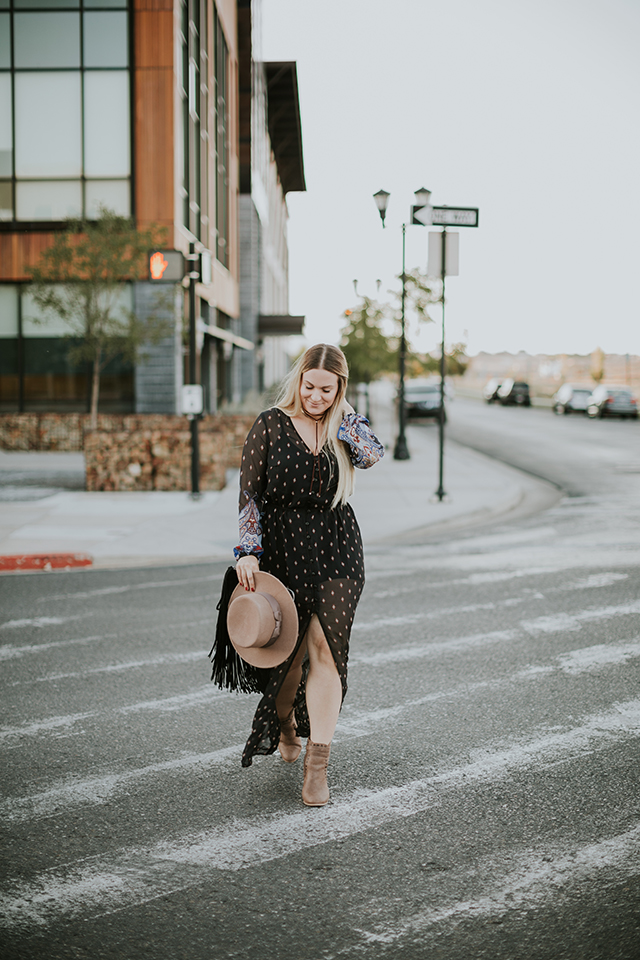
(527, 109)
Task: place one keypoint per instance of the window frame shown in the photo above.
(82, 6)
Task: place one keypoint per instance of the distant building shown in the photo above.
(160, 109)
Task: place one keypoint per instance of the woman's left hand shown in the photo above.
(347, 408)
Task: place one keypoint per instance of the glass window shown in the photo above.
(6, 200)
(6, 134)
(48, 125)
(5, 40)
(48, 4)
(120, 4)
(37, 322)
(8, 310)
(105, 40)
(47, 39)
(113, 194)
(106, 124)
(48, 199)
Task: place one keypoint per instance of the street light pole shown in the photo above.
(195, 445)
(401, 451)
(440, 492)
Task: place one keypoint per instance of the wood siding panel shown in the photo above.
(18, 251)
(153, 112)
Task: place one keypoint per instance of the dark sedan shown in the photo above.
(612, 402)
(514, 391)
(422, 400)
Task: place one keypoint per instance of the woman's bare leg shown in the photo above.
(290, 684)
(323, 689)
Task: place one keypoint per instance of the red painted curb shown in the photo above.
(45, 561)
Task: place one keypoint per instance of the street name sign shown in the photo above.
(455, 216)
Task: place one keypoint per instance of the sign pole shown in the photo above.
(195, 444)
(401, 451)
(440, 492)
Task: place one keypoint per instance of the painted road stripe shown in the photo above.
(351, 725)
(126, 588)
(41, 621)
(53, 725)
(537, 881)
(133, 876)
(9, 651)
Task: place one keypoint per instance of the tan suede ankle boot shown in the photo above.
(290, 745)
(315, 792)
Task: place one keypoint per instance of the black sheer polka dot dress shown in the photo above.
(286, 520)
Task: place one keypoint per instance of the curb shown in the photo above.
(45, 561)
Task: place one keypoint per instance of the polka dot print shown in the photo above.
(312, 549)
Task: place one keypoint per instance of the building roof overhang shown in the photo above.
(285, 130)
(280, 325)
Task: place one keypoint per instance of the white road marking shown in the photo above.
(119, 667)
(537, 880)
(41, 621)
(97, 790)
(595, 580)
(39, 727)
(573, 621)
(419, 651)
(352, 724)
(105, 591)
(10, 651)
(63, 724)
(133, 876)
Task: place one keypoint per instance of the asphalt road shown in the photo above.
(485, 796)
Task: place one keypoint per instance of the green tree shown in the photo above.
(364, 343)
(455, 361)
(80, 277)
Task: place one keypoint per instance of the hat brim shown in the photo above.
(284, 645)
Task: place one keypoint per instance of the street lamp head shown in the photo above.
(423, 196)
(382, 199)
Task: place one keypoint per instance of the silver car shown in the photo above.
(612, 402)
(571, 398)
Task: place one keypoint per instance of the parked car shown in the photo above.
(422, 399)
(612, 402)
(514, 391)
(571, 398)
(490, 389)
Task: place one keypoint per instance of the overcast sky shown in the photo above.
(527, 109)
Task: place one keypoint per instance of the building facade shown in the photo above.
(140, 106)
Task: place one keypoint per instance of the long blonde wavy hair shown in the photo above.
(323, 357)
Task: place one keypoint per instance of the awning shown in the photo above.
(220, 334)
(280, 325)
(283, 117)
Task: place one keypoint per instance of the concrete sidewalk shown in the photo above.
(393, 502)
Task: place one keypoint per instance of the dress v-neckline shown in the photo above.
(306, 445)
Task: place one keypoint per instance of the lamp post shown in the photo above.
(381, 198)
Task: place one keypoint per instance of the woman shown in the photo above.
(295, 523)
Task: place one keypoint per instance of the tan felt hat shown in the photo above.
(263, 625)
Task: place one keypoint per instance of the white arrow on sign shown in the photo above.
(455, 216)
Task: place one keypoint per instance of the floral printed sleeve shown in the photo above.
(364, 447)
(252, 483)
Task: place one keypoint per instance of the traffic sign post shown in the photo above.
(168, 266)
(443, 262)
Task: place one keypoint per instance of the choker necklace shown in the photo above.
(316, 452)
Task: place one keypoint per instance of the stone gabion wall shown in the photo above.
(135, 452)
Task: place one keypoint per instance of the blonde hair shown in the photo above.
(323, 357)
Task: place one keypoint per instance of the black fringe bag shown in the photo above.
(230, 671)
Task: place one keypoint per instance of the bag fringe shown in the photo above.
(230, 671)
